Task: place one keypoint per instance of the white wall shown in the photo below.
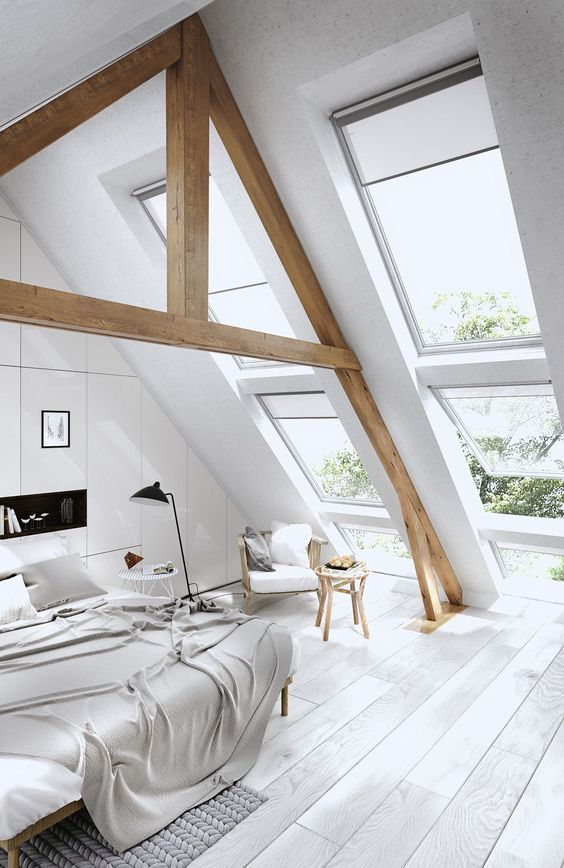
(121, 440)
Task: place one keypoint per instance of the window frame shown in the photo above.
(468, 438)
(497, 545)
(310, 476)
(411, 91)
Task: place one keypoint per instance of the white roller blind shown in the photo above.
(427, 130)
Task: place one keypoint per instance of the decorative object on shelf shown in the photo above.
(55, 429)
(131, 559)
(153, 495)
(48, 512)
(67, 510)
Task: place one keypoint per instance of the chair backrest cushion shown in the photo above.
(289, 543)
(258, 555)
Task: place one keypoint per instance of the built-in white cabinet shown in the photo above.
(53, 349)
(9, 249)
(114, 462)
(235, 525)
(9, 431)
(9, 343)
(102, 357)
(60, 468)
(165, 459)
(207, 525)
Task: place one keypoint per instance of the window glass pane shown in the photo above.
(511, 437)
(513, 429)
(252, 307)
(231, 263)
(526, 563)
(156, 206)
(440, 126)
(454, 239)
(383, 552)
(325, 450)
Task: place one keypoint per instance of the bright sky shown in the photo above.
(452, 228)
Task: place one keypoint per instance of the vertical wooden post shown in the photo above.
(421, 554)
(187, 187)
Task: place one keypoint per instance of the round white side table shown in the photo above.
(145, 584)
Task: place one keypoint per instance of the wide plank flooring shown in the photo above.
(432, 750)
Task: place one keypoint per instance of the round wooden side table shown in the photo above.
(349, 582)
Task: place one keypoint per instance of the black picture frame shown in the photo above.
(55, 433)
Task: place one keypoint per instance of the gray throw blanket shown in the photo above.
(159, 709)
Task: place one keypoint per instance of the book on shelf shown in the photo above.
(15, 522)
(10, 522)
(2, 519)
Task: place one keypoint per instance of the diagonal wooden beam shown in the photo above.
(187, 174)
(45, 125)
(421, 555)
(22, 302)
(244, 154)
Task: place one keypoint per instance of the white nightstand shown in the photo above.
(144, 584)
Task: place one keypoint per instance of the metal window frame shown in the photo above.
(341, 119)
(497, 546)
(296, 455)
(469, 439)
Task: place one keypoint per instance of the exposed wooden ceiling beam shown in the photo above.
(22, 302)
(246, 158)
(187, 174)
(49, 122)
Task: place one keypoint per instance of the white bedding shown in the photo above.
(32, 788)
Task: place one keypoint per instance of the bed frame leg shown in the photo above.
(13, 857)
(284, 698)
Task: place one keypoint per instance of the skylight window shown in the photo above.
(383, 551)
(513, 443)
(313, 432)
(239, 295)
(429, 167)
(521, 562)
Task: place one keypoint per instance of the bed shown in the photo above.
(138, 709)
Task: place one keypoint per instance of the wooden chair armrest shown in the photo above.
(320, 540)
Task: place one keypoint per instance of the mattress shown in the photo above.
(32, 788)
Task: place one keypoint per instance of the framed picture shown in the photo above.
(55, 429)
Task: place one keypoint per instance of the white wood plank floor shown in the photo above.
(407, 749)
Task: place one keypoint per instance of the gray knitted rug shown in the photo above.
(76, 843)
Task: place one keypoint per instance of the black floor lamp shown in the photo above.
(153, 495)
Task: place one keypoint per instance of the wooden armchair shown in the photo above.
(314, 555)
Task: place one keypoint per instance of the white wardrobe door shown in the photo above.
(60, 468)
(207, 526)
(114, 462)
(9, 432)
(165, 459)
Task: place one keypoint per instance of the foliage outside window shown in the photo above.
(314, 433)
(531, 564)
(382, 551)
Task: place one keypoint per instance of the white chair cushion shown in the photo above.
(284, 579)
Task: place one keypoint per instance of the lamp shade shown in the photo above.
(151, 495)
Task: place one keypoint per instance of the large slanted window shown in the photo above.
(382, 550)
(513, 443)
(315, 435)
(428, 165)
(238, 293)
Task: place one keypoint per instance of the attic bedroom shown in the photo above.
(281, 447)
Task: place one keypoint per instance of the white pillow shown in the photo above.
(15, 604)
(289, 542)
(14, 556)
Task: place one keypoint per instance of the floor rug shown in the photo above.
(76, 843)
